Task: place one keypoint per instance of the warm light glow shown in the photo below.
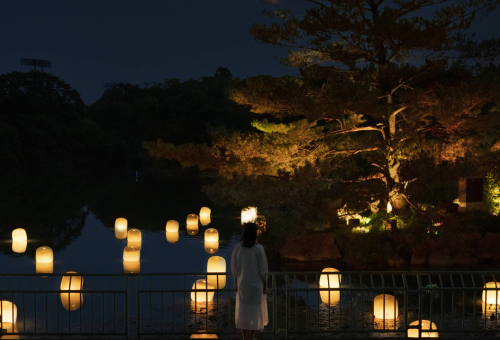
(44, 255)
(426, 325)
(19, 235)
(8, 312)
(205, 212)
(205, 220)
(216, 264)
(389, 302)
(192, 219)
(131, 253)
(9, 328)
(71, 301)
(204, 336)
(192, 229)
(492, 296)
(45, 268)
(330, 280)
(121, 224)
(172, 237)
(211, 235)
(202, 296)
(211, 247)
(121, 234)
(389, 207)
(134, 235)
(172, 226)
(248, 215)
(19, 246)
(130, 267)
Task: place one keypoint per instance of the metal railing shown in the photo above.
(144, 305)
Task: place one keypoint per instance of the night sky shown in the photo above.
(94, 42)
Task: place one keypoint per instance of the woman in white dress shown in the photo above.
(249, 268)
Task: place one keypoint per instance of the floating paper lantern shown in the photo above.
(19, 235)
(130, 267)
(172, 226)
(211, 235)
(134, 235)
(205, 216)
(205, 220)
(44, 255)
(121, 223)
(192, 219)
(9, 331)
(203, 336)
(330, 281)
(45, 268)
(426, 325)
(202, 296)
(19, 246)
(8, 312)
(172, 237)
(389, 207)
(216, 264)
(71, 301)
(248, 215)
(491, 296)
(384, 306)
(192, 229)
(120, 234)
(211, 247)
(131, 253)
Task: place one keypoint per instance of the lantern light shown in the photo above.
(330, 281)
(384, 306)
(19, 246)
(211, 247)
(131, 253)
(192, 219)
(130, 267)
(425, 326)
(45, 268)
(172, 237)
(216, 264)
(248, 215)
(491, 296)
(9, 331)
(134, 235)
(44, 255)
(202, 296)
(19, 235)
(192, 229)
(172, 226)
(205, 220)
(8, 312)
(211, 235)
(120, 234)
(205, 216)
(389, 207)
(121, 224)
(71, 301)
(203, 336)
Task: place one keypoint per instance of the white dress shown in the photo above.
(249, 267)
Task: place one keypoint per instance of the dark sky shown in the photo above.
(94, 42)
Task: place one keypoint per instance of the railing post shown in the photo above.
(287, 309)
(275, 312)
(127, 316)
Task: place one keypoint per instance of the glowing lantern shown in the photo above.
(19, 235)
(45, 268)
(389, 207)
(205, 220)
(131, 267)
(202, 296)
(172, 226)
(426, 326)
(248, 215)
(492, 296)
(205, 216)
(192, 219)
(384, 306)
(211, 247)
(8, 312)
(203, 336)
(121, 228)
(9, 328)
(216, 264)
(330, 281)
(211, 235)
(44, 255)
(192, 229)
(19, 246)
(120, 234)
(131, 253)
(72, 301)
(134, 235)
(172, 237)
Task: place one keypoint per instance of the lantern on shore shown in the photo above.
(492, 296)
(134, 235)
(71, 300)
(205, 216)
(211, 247)
(248, 215)
(8, 312)
(44, 255)
(19, 235)
(202, 296)
(45, 268)
(211, 235)
(131, 267)
(330, 281)
(385, 306)
(426, 326)
(172, 237)
(19, 246)
(216, 264)
(172, 226)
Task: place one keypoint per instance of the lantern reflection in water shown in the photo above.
(44, 255)
(131, 253)
(19, 246)
(8, 312)
(211, 247)
(330, 281)
(205, 216)
(384, 306)
(202, 296)
(216, 264)
(248, 215)
(192, 229)
(45, 268)
(19, 235)
(172, 237)
(426, 326)
(211, 235)
(203, 336)
(130, 267)
(71, 301)
(491, 296)
(121, 228)
(172, 226)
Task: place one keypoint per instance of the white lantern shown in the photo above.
(172, 226)
(192, 219)
(202, 296)
(19, 235)
(205, 220)
(45, 268)
(384, 306)
(131, 253)
(172, 237)
(216, 264)
(330, 281)
(121, 224)
(134, 235)
(426, 326)
(44, 255)
(8, 312)
(248, 215)
(492, 296)
(211, 235)
(205, 216)
(72, 301)
(19, 246)
(211, 247)
(130, 267)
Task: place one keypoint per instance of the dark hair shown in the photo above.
(249, 235)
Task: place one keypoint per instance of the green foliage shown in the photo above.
(492, 193)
